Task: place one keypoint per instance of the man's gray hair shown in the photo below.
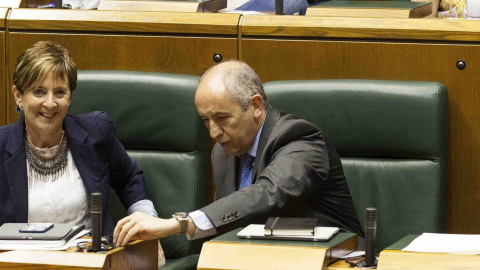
(241, 83)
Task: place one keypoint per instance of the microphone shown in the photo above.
(96, 217)
(370, 235)
(278, 7)
(58, 3)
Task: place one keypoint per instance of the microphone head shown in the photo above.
(96, 202)
(371, 217)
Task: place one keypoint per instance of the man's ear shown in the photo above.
(17, 95)
(257, 103)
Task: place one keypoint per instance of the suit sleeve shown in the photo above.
(125, 177)
(297, 161)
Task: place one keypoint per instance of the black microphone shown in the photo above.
(58, 3)
(370, 235)
(278, 7)
(96, 217)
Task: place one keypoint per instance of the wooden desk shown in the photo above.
(229, 252)
(393, 258)
(136, 255)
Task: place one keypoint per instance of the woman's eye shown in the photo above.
(38, 92)
(60, 93)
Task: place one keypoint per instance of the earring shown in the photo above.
(19, 109)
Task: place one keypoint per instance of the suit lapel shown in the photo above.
(16, 171)
(83, 154)
(270, 120)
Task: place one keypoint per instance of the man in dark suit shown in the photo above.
(265, 163)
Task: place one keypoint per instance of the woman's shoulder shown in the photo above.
(97, 117)
(4, 134)
(93, 122)
(90, 116)
(5, 130)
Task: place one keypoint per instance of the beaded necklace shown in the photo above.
(42, 167)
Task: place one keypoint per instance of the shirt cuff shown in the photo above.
(143, 206)
(204, 225)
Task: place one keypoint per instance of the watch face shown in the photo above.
(180, 214)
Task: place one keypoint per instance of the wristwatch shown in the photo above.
(182, 217)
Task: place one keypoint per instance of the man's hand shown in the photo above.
(145, 227)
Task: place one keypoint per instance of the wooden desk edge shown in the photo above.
(123, 21)
(397, 259)
(138, 253)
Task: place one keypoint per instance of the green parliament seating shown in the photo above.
(392, 137)
(156, 121)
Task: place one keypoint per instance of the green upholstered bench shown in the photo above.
(156, 121)
(392, 137)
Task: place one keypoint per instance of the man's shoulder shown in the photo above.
(290, 123)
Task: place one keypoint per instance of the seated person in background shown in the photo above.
(265, 163)
(82, 4)
(290, 7)
(51, 161)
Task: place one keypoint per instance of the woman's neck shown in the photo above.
(44, 139)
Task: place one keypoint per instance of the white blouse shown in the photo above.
(63, 200)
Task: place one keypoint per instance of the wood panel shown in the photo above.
(3, 16)
(396, 259)
(136, 255)
(304, 59)
(229, 256)
(365, 28)
(183, 55)
(123, 21)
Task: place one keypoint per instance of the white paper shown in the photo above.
(40, 247)
(446, 243)
(258, 230)
(354, 254)
(244, 12)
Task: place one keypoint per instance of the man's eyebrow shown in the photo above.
(221, 112)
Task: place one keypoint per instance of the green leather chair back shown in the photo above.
(156, 121)
(392, 138)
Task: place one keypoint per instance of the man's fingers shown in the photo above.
(119, 226)
(123, 232)
(132, 232)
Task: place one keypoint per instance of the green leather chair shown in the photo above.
(156, 121)
(392, 137)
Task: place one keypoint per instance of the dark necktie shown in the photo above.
(246, 165)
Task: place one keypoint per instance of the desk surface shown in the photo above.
(231, 237)
(230, 252)
(136, 255)
(394, 258)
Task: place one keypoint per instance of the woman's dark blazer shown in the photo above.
(100, 159)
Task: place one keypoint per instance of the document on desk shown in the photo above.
(446, 243)
(41, 245)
